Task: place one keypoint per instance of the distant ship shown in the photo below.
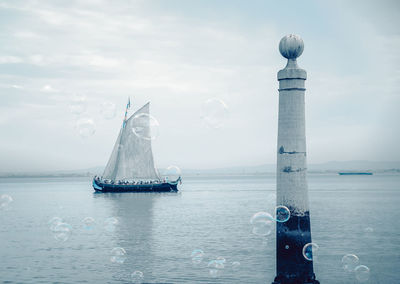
(131, 165)
(355, 173)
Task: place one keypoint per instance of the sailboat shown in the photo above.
(130, 167)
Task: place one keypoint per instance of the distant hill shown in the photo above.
(328, 167)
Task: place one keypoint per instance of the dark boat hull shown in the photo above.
(157, 187)
(355, 173)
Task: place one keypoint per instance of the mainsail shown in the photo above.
(132, 157)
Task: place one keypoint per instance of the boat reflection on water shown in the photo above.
(133, 231)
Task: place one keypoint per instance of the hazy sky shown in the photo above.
(179, 54)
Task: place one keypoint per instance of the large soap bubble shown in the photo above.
(362, 273)
(282, 213)
(310, 251)
(62, 232)
(350, 262)
(145, 126)
(110, 224)
(172, 173)
(215, 266)
(214, 112)
(53, 222)
(197, 256)
(118, 255)
(5, 201)
(88, 223)
(262, 223)
(137, 276)
(85, 127)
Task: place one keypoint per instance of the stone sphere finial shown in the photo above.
(291, 46)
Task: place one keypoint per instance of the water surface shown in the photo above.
(349, 214)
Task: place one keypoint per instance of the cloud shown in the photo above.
(177, 58)
(10, 59)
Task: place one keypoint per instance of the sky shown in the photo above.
(180, 54)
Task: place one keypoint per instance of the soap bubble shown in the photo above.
(118, 255)
(214, 112)
(88, 223)
(53, 222)
(172, 173)
(110, 224)
(5, 201)
(362, 273)
(62, 232)
(215, 266)
(310, 251)
(220, 262)
(85, 127)
(107, 110)
(349, 262)
(137, 277)
(282, 214)
(197, 256)
(287, 247)
(78, 104)
(262, 223)
(235, 265)
(145, 126)
(368, 230)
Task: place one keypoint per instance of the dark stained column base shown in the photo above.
(291, 236)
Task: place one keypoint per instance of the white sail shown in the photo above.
(132, 156)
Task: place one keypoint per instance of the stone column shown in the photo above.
(291, 183)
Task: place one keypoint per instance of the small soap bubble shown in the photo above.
(214, 112)
(235, 265)
(282, 214)
(287, 247)
(215, 266)
(145, 126)
(197, 256)
(118, 255)
(78, 104)
(108, 110)
(110, 224)
(85, 127)
(137, 276)
(262, 223)
(62, 232)
(220, 262)
(310, 251)
(5, 201)
(88, 223)
(362, 273)
(368, 230)
(53, 222)
(172, 173)
(350, 262)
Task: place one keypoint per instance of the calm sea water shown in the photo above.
(349, 214)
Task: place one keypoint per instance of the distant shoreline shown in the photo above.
(187, 174)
